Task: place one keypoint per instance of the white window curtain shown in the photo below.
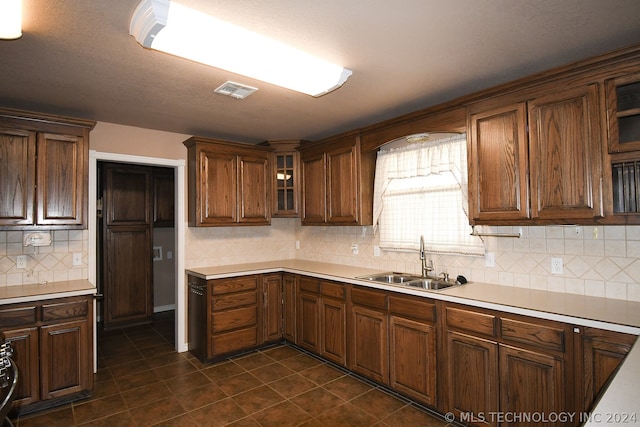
(421, 190)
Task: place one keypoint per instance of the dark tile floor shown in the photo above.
(142, 381)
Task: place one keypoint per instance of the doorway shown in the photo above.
(178, 167)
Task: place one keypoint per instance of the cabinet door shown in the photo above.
(25, 355)
(163, 198)
(216, 204)
(254, 187)
(333, 340)
(272, 307)
(566, 155)
(530, 383)
(623, 113)
(342, 185)
(289, 283)
(602, 353)
(472, 377)
(65, 359)
(17, 176)
(62, 180)
(412, 348)
(309, 321)
(128, 284)
(498, 159)
(313, 189)
(369, 342)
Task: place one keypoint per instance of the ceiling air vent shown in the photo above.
(235, 90)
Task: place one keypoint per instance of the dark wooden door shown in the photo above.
(128, 274)
(272, 307)
(369, 342)
(342, 185)
(313, 189)
(289, 284)
(26, 356)
(333, 339)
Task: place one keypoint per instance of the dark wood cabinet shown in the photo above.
(286, 179)
(503, 363)
(553, 174)
(44, 178)
(53, 348)
(127, 245)
(290, 290)
(229, 183)
(601, 354)
(272, 307)
(412, 347)
(337, 182)
(369, 334)
(223, 316)
(321, 315)
(163, 190)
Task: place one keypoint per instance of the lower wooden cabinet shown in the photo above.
(290, 292)
(412, 347)
(53, 349)
(272, 309)
(369, 334)
(223, 316)
(602, 352)
(322, 318)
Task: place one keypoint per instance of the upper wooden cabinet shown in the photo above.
(44, 173)
(286, 179)
(337, 182)
(229, 183)
(552, 174)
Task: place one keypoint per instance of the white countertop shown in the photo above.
(618, 405)
(50, 290)
(610, 314)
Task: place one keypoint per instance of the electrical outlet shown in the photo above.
(376, 250)
(297, 244)
(77, 259)
(21, 261)
(489, 259)
(354, 248)
(556, 266)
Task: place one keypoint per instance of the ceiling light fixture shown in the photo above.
(10, 19)
(173, 28)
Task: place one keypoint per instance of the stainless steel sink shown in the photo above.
(391, 278)
(410, 280)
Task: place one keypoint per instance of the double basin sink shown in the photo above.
(410, 280)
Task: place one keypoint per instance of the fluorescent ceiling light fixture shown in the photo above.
(10, 19)
(178, 30)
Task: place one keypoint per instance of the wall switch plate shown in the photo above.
(556, 266)
(354, 248)
(169, 254)
(489, 259)
(21, 261)
(376, 250)
(297, 244)
(77, 259)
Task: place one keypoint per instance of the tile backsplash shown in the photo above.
(601, 261)
(44, 263)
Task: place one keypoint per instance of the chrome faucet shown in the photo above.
(426, 268)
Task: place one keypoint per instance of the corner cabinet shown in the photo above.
(536, 158)
(229, 183)
(53, 347)
(44, 173)
(337, 182)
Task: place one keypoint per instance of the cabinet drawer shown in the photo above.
(237, 284)
(309, 285)
(234, 341)
(17, 316)
(471, 321)
(412, 307)
(234, 319)
(535, 334)
(239, 299)
(334, 290)
(64, 310)
(370, 298)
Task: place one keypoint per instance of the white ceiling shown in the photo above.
(76, 58)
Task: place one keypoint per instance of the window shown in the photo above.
(421, 190)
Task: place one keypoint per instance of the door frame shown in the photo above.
(181, 343)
